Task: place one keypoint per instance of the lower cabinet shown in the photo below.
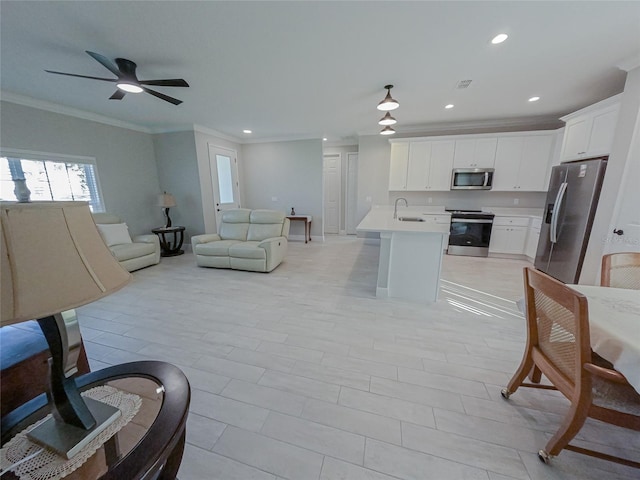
(509, 235)
(533, 236)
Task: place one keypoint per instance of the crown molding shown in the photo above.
(289, 138)
(215, 133)
(629, 63)
(550, 122)
(69, 111)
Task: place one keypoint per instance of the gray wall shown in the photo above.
(289, 171)
(178, 174)
(125, 159)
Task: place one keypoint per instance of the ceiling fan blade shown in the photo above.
(108, 64)
(118, 95)
(164, 97)
(83, 76)
(173, 82)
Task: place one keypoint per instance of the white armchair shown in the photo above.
(133, 254)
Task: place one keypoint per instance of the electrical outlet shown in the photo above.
(430, 200)
(368, 199)
(516, 201)
(274, 199)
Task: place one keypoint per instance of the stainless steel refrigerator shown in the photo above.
(574, 190)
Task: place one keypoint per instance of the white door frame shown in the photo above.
(213, 168)
(351, 190)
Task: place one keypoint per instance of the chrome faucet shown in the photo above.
(395, 208)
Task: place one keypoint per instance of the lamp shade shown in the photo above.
(166, 200)
(52, 259)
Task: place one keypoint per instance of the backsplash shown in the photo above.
(472, 199)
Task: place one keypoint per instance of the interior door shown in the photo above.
(332, 173)
(224, 179)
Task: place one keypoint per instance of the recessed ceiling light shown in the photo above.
(246, 131)
(499, 38)
(534, 99)
(324, 139)
(449, 106)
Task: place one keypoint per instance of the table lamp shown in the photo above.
(166, 201)
(52, 260)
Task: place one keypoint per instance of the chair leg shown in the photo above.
(573, 422)
(523, 370)
(535, 375)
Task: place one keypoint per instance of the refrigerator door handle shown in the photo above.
(553, 231)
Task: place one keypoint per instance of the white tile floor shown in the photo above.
(303, 374)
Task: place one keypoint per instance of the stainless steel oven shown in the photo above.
(470, 232)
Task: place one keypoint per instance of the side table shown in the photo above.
(150, 447)
(307, 224)
(171, 247)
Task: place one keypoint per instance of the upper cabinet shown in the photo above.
(589, 132)
(475, 153)
(398, 166)
(521, 162)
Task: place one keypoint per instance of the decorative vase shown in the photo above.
(22, 193)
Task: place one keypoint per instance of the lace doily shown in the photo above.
(48, 465)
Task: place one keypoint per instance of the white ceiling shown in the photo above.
(313, 69)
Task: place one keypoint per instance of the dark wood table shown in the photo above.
(171, 246)
(151, 445)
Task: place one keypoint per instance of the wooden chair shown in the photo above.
(558, 346)
(621, 270)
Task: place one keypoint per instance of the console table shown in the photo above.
(307, 224)
(170, 247)
(150, 447)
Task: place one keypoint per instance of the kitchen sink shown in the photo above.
(411, 219)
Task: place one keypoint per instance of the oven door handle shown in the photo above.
(470, 220)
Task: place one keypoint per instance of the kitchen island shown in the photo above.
(411, 249)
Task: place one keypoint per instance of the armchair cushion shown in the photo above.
(131, 250)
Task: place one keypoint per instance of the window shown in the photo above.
(51, 178)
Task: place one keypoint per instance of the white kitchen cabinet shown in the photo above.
(590, 131)
(398, 166)
(427, 165)
(475, 153)
(521, 163)
(418, 167)
(533, 235)
(509, 235)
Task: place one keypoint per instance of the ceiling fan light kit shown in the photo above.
(127, 81)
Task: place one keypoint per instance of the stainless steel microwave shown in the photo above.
(472, 179)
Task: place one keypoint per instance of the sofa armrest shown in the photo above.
(206, 238)
(275, 250)
(272, 242)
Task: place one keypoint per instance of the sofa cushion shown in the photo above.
(128, 251)
(114, 233)
(265, 224)
(219, 248)
(237, 215)
(247, 250)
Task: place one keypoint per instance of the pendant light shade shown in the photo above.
(387, 131)
(388, 103)
(387, 120)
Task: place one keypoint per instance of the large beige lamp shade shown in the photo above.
(53, 260)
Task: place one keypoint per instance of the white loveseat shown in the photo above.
(133, 254)
(254, 240)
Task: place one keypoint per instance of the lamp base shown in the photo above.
(67, 440)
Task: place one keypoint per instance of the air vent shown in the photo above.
(463, 84)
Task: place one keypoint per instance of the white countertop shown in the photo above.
(515, 211)
(380, 219)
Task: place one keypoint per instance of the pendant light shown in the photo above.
(388, 103)
(387, 131)
(387, 120)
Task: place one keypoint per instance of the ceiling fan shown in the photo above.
(127, 81)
